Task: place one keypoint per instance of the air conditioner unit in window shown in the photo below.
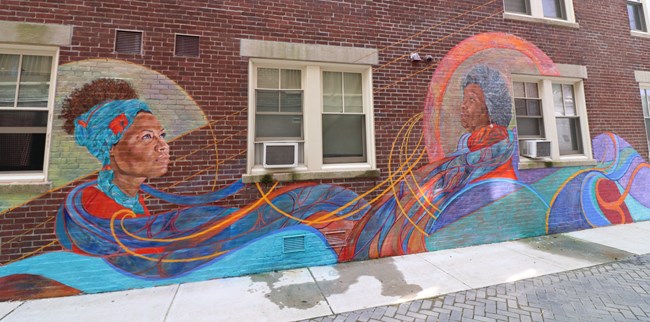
(280, 155)
(536, 148)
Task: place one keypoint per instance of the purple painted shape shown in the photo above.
(534, 175)
(472, 199)
(640, 186)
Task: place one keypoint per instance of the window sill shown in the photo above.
(526, 163)
(640, 34)
(289, 175)
(546, 21)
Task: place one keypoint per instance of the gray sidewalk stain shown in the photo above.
(575, 248)
(308, 295)
(299, 296)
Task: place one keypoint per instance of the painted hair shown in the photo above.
(100, 90)
(495, 91)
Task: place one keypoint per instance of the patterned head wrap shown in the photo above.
(495, 90)
(98, 130)
(104, 125)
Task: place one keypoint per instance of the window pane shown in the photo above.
(353, 104)
(553, 8)
(291, 101)
(36, 69)
(531, 90)
(343, 137)
(632, 16)
(22, 151)
(34, 81)
(519, 6)
(558, 101)
(8, 79)
(290, 79)
(518, 89)
(332, 92)
(530, 127)
(647, 129)
(520, 106)
(332, 83)
(267, 101)
(32, 95)
(278, 126)
(268, 78)
(332, 104)
(635, 16)
(644, 102)
(352, 83)
(569, 105)
(352, 89)
(532, 107)
(568, 134)
(23, 119)
(9, 67)
(641, 18)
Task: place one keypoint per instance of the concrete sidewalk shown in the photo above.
(319, 291)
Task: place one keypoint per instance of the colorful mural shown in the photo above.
(470, 192)
(69, 161)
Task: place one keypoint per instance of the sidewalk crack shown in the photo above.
(320, 290)
(178, 286)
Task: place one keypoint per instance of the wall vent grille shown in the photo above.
(187, 46)
(128, 42)
(293, 244)
(336, 238)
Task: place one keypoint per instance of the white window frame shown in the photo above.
(312, 165)
(537, 14)
(545, 88)
(35, 176)
(646, 11)
(646, 87)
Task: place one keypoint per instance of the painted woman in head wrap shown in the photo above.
(401, 222)
(108, 217)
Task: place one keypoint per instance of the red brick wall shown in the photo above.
(217, 80)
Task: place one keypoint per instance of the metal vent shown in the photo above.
(336, 238)
(187, 46)
(293, 244)
(128, 42)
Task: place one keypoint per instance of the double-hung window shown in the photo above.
(27, 75)
(567, 120)
(279, 104)
(636, 11)
(322, 112)
(552, 109)
(561, 10)
(344, 120)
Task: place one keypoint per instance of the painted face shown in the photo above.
(142, 152)
(474, 113)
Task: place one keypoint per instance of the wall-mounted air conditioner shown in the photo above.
(280, 155)
(536, 148)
